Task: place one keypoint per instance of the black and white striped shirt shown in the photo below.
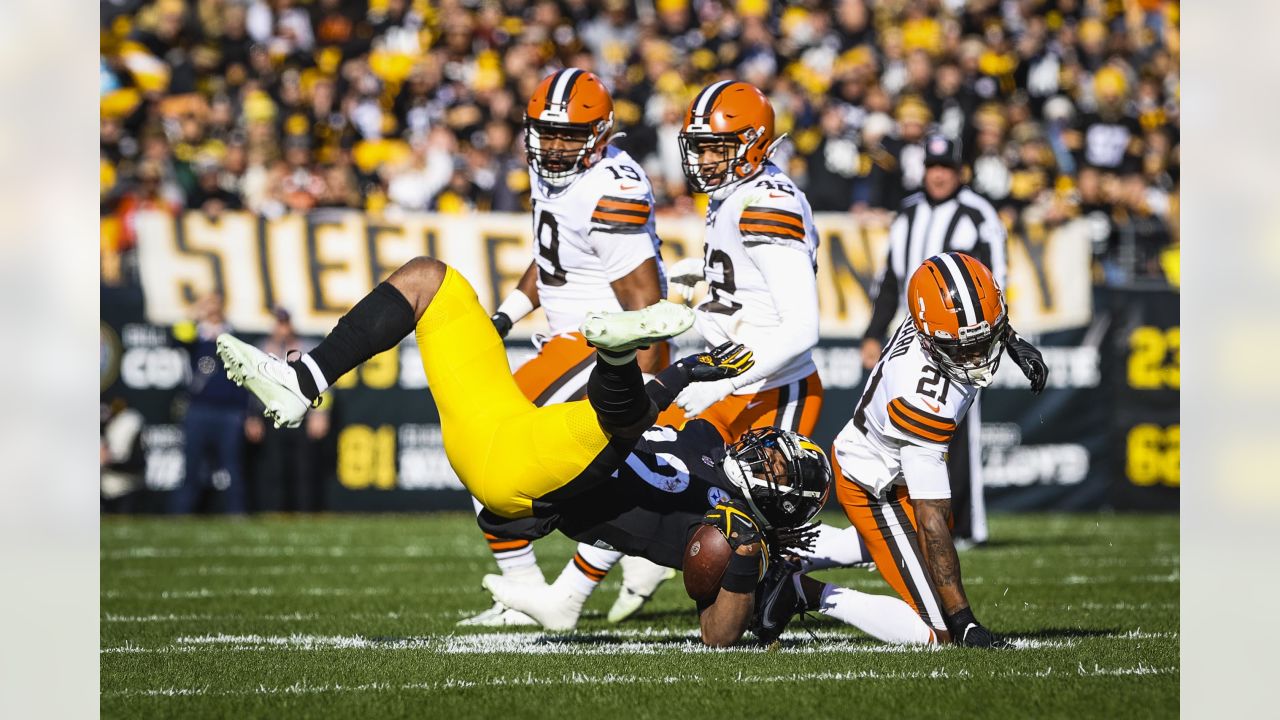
(965, 222)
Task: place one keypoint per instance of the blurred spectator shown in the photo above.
(120, 454)
(349, 103)
(213, 425)
(285, 468)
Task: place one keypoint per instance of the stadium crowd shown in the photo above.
(1064, 108)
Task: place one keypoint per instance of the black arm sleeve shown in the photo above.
(884, 306)
(664, 388)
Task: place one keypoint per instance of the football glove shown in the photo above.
(734, 520)
(684, 276)
(967, 631)
(728, 360)
(501, 323)
(777, 601)
(699, 396)
(1029, 359)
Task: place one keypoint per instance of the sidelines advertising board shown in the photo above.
(1055, 451)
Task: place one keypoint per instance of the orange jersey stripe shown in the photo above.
(906, 426)
(610, 203)
(774, 216)
(755, 228)
(933, 421)
(600, 216)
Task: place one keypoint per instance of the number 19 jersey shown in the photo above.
(908, 401)
(589, 234)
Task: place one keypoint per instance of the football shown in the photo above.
(705, 559)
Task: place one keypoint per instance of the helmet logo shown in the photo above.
(975, 332)
(715, 496)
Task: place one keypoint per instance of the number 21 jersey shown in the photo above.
(908, 401)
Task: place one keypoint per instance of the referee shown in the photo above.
(947, 216)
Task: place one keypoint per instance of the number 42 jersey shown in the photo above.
(589, 234)
(908, 400)
(766, 210)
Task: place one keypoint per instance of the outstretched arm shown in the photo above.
(725, 361)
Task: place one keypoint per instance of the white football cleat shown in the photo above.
(630, 329)
(498, 616)
(640, 580)
(266, 376)
(554, 608)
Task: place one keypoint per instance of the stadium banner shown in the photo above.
(320, 264)
(1103, 434)
(1144, 376)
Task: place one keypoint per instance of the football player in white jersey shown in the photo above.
(759, 262)
(595, 249)
(891, 473)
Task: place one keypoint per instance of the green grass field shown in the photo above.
(353, 616)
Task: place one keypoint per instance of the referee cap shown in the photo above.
(941, 150)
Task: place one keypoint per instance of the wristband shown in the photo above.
(516, 306)
(741, 574)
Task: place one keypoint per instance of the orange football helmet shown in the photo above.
(960, 315)
(567, 124)
(727, 136)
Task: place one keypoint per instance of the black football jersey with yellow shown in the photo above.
(656, 497)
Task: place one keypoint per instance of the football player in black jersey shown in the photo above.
(760, 492)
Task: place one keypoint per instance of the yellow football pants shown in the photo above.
(506, 451)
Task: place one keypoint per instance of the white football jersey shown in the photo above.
(739, 307)
(908, 400)
(588, 234)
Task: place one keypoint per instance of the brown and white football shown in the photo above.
(705, 559)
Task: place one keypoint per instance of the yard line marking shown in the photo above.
(637, 642)
(579, 678)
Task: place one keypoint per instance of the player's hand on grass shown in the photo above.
(1029, 359)
(967, 631)
(980, 637)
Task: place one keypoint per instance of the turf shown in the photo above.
(353, 616)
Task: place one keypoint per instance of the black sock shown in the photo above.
(378, 322)
(620, 401)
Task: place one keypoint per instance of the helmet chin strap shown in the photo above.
(773, 146)
(723, 191)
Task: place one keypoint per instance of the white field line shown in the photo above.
(281, 617)
(635, 642)
(354, 568)
(577, 678)
(207, 593)
(149, 552)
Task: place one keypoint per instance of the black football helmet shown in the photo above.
(784, 476)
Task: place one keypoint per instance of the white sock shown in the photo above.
(884, 618)
(321, 383)
(613, 358)
(515, 558)
(587, 568)
(834, 547)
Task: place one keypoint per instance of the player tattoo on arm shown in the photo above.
(939, 551)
